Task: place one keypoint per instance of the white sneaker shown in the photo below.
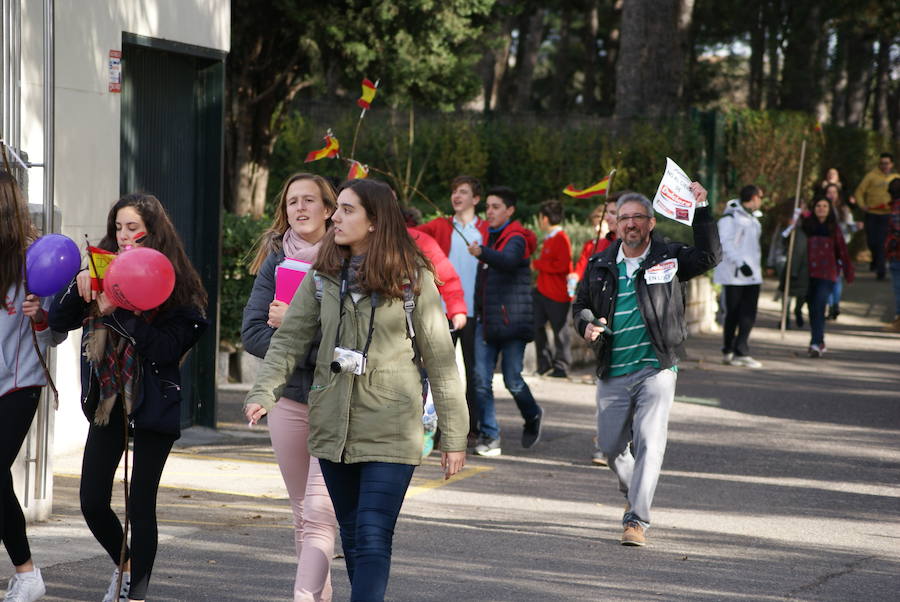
(25, 587)
(727, 357)
(816, 351)
(123, 593)
(745, 361)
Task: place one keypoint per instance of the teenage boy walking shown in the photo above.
(454, 235)
(551, 297)
(504, 321)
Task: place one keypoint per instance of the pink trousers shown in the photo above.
(315, 526)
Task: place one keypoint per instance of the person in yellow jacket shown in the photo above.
(365, 403)
(872, 197)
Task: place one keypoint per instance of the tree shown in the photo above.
(651, 60)
(423, 52)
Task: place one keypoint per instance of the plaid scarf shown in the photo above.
(113, 360)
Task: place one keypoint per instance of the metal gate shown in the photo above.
(171, 146)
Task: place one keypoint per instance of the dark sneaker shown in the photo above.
(487, 446)
(633, 535)
(531, 432)
(559, 374)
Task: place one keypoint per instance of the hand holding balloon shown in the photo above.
(31, 308)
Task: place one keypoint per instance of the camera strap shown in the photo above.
(345, 287)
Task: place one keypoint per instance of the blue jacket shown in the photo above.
(159, 345)
(503, 289)
(256, 333)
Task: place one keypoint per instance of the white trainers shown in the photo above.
(25, 587)
(816, 351)
(727, 357)
(744, 360)
(123, 592)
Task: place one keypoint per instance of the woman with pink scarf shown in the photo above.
(305, 205)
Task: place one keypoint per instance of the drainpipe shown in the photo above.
(42, 475)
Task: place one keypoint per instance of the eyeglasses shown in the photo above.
(638, 218)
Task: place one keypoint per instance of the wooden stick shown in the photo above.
(786, 299)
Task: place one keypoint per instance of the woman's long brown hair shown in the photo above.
(16, 233)
(270, 240)
(392, 258)
(161, 236)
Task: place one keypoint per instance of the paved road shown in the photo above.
(778, 483)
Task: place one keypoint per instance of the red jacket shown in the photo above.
(553, 265)
(451, 288)
(827, 252)
(589, 250)
(441, 229)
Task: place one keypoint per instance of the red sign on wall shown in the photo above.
(115, 70)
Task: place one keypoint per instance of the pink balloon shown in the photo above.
(139, 279)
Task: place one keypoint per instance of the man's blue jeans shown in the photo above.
(367, 498)
(513, 354)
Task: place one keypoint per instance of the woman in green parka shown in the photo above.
(365, 404)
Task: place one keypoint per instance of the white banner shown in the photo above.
(674, 198)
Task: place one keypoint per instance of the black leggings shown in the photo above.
(17, 409)
(102, 453)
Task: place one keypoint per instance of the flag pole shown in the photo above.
(609, 184)
(786, 299)
(358, 125)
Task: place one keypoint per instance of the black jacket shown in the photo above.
(661, 304)
(256, 333)
(159, 345)
(503, 287)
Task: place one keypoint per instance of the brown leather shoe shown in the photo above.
(633, 535)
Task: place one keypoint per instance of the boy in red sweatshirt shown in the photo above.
(551, 298)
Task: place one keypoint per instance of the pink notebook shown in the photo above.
(288, 276)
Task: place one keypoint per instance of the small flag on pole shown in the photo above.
(358, 171)
(332, 148)
(100, 260)
(368, 94)
(600, 188)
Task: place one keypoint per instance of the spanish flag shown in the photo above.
(358, 171)
(600, 188)
(368, 94)
(332, 147)
(98, 263)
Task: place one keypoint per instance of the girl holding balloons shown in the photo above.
(306, 204)
(130, 377)
(21, 377)
(365, 403)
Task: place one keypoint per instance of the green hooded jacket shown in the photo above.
(376, 416)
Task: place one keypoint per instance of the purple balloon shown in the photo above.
(50, 264)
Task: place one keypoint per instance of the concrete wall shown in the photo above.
(87, 134)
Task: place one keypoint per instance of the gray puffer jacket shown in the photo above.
(256, 333)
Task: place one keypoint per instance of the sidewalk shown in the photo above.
(778, 483)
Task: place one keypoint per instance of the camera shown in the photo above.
(348, 361)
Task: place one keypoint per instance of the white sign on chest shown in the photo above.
(662, 272)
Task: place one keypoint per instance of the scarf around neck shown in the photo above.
(296, 247)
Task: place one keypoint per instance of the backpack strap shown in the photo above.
(409, 304)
